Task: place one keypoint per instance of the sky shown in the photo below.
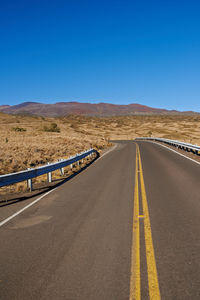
(121, 52)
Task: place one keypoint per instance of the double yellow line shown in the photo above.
(135, 281)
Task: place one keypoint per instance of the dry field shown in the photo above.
(27, 141)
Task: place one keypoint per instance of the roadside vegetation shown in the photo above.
(28, 141)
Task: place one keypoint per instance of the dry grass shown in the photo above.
(27, 141)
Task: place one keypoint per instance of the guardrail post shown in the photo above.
(71, 165)
(62, 172)
(30, 183)
(49, 176)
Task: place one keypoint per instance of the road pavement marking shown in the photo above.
(135, 251)
(24, 208)
(154, 292)
(113, 148)
(197, 162)
(135, 280)
(40, 198)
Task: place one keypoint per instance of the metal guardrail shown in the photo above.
(181, 145)
(31, 173)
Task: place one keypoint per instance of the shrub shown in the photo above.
(53, 127)
(149, 133)
(19, 129)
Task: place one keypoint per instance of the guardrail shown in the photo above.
(181, 145)
(31, 173)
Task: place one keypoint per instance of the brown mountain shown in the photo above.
(66, 108)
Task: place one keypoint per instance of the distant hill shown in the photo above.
(89, 109)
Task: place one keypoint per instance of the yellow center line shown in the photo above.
(135, 280)
(154, 292)
(135, 251)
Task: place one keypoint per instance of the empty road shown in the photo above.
(128, 227)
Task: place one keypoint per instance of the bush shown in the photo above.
(149, 133)
(19, 129)
(53, 127)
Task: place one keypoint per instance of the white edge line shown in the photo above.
(24, 208)
(40, 198)
(113, 148)
(175, 152)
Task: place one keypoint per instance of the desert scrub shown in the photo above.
(78, 133)
(19, 129)
(53, 127)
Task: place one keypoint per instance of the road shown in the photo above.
(128, 227)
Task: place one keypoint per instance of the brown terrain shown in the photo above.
(66, 108)
(30, 141)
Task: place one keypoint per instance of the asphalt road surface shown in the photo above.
(128, 227)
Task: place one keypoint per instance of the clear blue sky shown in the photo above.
(122, 52)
